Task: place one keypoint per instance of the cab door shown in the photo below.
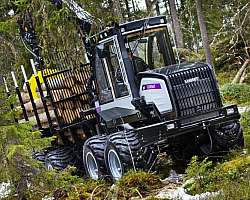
(112, 81)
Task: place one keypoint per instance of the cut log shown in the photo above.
(78, 89)
(42, 86)
(69, 136)
(80, 134)
(56, 83)
(82, 78)
(25, 97)
(58, 95)
(69, 81)
(244, 76)
(39, 105)
(66, 105)
(43, 117)
(46, 124)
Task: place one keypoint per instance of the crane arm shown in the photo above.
(81, 14)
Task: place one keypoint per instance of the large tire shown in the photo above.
(123, 152)
(229, 136)
(59, 158)
(55, 158)
(93, 157)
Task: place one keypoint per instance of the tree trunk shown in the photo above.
(176, 24)
(157, 8)
(116, 5)
(149, 5)
(128, 9)
(203, 30)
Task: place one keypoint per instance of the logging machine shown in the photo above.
(129, 103)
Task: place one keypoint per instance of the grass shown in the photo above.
(245, 122)
(236, 93)
(231, 176)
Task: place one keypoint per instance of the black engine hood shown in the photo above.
(171, 69)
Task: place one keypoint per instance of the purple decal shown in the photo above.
(152, 86)
(98, 109)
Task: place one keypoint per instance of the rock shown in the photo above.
(173, 177)
(4, 190)
(181, 194)
(243, 109)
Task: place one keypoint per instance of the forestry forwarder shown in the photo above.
(126, 116)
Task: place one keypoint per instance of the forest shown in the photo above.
(216, 32)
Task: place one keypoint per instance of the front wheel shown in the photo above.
(123, 152)
(229, 136)
(114, 162)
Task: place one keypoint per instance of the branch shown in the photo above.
(240, 72)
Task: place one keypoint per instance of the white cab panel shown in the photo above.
(155, 90)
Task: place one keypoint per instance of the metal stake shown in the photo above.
(31, 98)
(19, 97)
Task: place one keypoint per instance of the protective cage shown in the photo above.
(195, 90)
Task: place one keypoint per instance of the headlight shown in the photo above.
(170, 126)
(230, 111)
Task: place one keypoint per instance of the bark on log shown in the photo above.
(61, 94)
(69, 81)
(25, 97)
(39, 105)
(243, 77)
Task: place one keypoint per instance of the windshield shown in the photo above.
(153, 46)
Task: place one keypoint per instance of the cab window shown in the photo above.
(115, 75)
(104, 88)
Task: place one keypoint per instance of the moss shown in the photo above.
(135, 182)
(222, 176)
(236, 164)
(235, 190)
(245, 122)
(247, 142)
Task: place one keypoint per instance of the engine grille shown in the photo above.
(195, 90)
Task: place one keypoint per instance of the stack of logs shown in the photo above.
(69, 95)
(40, 108)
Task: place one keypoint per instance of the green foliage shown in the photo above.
(245, 122)
(197, 171)
(135, 182)
(236, 93)
(17, 143)
(225, 76)
(221, 176)
(62, 184)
